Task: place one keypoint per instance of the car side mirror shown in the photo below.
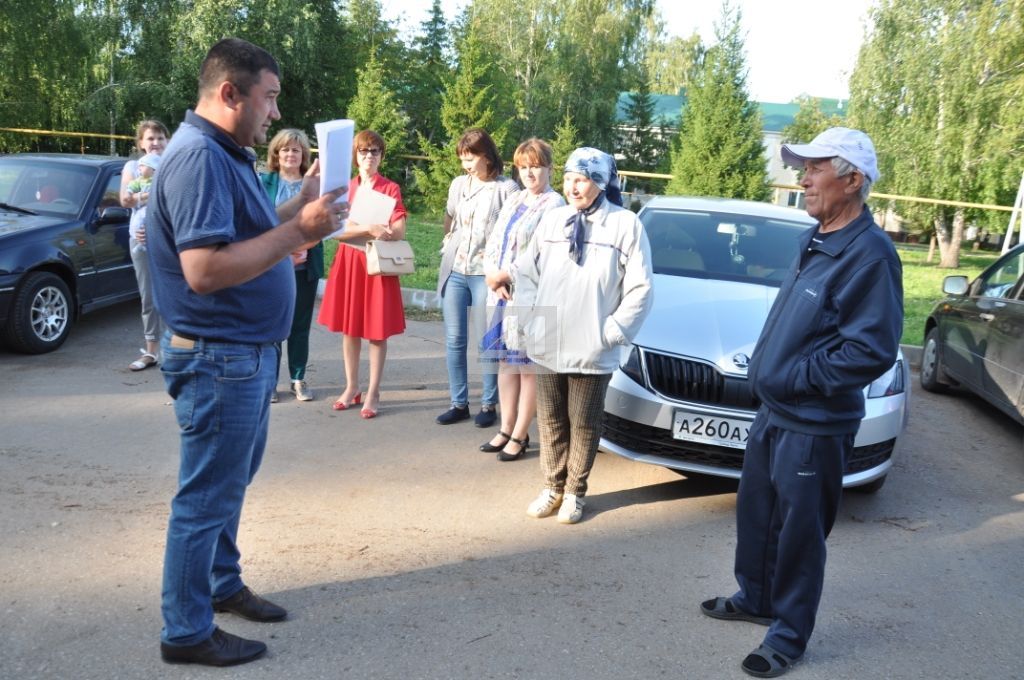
(114, 214)
(954, 285)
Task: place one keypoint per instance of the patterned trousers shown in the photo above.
(569, 412)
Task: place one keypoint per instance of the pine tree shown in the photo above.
(565, 142)
(720, 150)
(641, 147)
(375, 107)
(467, 103)
(427, 75)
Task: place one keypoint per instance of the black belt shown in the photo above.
(188, 341)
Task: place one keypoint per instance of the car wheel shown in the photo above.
(931, 364)
(870, 487)
(41, 314)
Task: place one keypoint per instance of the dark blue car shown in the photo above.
(63, 245)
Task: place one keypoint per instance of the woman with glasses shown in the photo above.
(356, 303)
(474, 201)
(288, 159)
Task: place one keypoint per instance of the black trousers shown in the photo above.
(787, 503)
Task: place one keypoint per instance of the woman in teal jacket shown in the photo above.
(288, 158)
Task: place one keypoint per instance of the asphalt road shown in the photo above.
(403, 552)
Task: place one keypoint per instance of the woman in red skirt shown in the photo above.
(355, 303)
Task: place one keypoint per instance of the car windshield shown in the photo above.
(718, 245)
(42, 186)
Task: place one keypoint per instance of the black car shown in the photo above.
(975, 337)
(63, 245)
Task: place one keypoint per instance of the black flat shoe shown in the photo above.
(506, 457)
(487, 417)
(220, 649)
(453, 415)
(488, 447)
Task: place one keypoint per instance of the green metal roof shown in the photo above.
(668, 109)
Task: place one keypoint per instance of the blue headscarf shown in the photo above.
(599, 168)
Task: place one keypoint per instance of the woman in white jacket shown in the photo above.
(587, 276)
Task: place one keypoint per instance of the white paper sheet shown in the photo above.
(371, 207)
(334, 143)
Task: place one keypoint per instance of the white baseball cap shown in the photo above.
(852, 146)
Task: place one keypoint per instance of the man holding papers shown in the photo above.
(225, 286)
(355, 303)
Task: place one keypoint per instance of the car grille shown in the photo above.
(695, 381)
(656, 441)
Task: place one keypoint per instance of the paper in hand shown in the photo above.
(334, 143)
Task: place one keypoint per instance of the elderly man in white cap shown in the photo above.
(835, 326)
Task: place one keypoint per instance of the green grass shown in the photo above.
(922, 281)
(922, 284)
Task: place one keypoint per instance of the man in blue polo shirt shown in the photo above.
(224, 286)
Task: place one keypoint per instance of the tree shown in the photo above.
(374, 107)
(427, 74)
(720, 148)
(564, 142)
(809, 121)
(561, 56)
(641, 146)
(935, 84)
(467, 102)
(671, 62)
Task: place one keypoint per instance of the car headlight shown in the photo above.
(631, 364)
(889, 383)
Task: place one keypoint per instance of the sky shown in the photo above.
(794, 47)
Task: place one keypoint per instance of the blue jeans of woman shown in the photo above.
(221, 395)
(464, 295)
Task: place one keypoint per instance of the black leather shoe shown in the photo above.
(453, 415)
(488, 447)
(220, 649)
(249, 605)
(506, 457)
(487, 417)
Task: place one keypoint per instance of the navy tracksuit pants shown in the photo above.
(787, 503)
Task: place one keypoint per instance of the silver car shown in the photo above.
(680, 397)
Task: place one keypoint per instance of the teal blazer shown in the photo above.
(315, 259)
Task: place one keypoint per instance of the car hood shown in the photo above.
(706, 319)
(17, 223)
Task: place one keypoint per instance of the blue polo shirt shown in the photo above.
(207, 192)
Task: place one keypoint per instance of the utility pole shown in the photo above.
(1016, 217)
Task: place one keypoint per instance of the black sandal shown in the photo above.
(765, 662)
(488, 447)
(506, 457)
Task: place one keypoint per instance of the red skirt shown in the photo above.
(360, 305)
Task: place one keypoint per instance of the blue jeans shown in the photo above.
(463, 293)
(221, 395)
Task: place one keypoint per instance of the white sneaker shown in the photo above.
(571, 510)
(544, 504)
(301, 390)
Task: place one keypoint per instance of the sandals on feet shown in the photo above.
(723, 608)
(143, 362)
(765, 662)
(505, 457)
(488, 447)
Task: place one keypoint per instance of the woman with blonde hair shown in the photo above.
(519, 217)
(356, 303)
(288, 159)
